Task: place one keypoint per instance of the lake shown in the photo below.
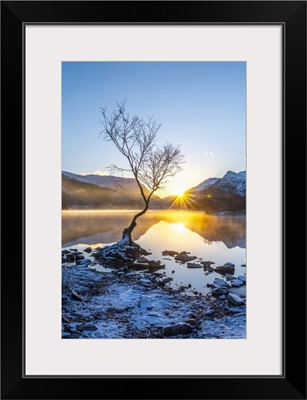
(219, 239)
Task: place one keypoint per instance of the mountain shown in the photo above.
(204, 184)
(214, 195)
(102, 192)
(231, 182)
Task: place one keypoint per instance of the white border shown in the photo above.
(46, 48)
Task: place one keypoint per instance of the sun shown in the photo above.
(179, 193)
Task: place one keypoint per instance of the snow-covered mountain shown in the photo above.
(230, 183)
(205, 184)
(214, 195)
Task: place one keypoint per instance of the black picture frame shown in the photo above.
(292, 16)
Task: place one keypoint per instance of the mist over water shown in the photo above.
(215, 238)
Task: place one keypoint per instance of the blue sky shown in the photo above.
(201, 105)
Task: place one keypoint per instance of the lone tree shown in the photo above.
(135, 139)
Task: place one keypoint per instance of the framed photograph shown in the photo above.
(162, 149)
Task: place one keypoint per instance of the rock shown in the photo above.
(235, 310)
(235, 299)
(194, 265)
(242, 278)
(193, 322)
(219, 291)
(228, 268)
(65, 251)
(71, 258)
(139, 266)
(142, 260)
(236, 283)
(207, 265)
(243, 265)
(229, 264)
(154, 263)
(222, 297)
(173, 272)
(229, 277)
(76, 296)
(178, 329)
(144, 302)
(66, 335)
(171, 253)
(88, 250)
(88, 327)
(184, 257)
(145, 252)
(220, 282)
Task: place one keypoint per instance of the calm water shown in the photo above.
(215, 238)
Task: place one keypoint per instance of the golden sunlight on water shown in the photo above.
(210, 238)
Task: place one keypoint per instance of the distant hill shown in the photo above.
(213, 195)
(102, 192)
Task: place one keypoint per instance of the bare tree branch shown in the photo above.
(135, 139)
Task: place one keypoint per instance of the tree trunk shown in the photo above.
(128, 231)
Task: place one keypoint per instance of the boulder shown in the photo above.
(88, 250)
(228, 268)
(220, 282)
(236, 283)
(220, 291)
(235, 299)
(181, 328)
(242, 278)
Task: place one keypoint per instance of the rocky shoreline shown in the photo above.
(136, 299)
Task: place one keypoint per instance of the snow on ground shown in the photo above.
(138, 304)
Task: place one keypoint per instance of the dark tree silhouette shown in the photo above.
(135, 139)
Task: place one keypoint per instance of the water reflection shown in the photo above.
(219, 239)
(105, 227)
